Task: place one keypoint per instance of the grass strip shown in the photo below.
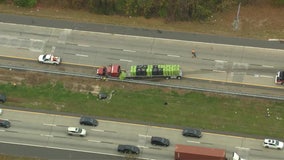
(154, 105)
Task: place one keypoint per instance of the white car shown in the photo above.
(49, 59)
(272, 143)
(75, 131)
(279, 78)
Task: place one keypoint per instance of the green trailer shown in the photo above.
(167, 71)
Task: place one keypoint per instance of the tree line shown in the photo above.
(171, 10)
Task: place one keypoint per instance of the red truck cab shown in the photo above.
(110, 70)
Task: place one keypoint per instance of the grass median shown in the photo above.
(159, 106)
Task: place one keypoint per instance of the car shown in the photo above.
(2, 98)
(89, 121)
(160, 141)
(279, 78)
(191, 132)
(102, 96)
(272, 143)
(49, 59)
(75, 131)
(5, 123)
(128, 149)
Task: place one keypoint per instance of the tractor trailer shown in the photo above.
(141, 71)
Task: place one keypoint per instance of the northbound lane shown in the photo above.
(49, 131)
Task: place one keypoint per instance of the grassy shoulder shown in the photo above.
(147, 104)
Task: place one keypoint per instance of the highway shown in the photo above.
(229, 65)
(223, 63)
(48, 131)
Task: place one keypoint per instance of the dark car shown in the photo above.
(190, 132)
(102, 96)
(88, 121)
(5, 123)
(128, 149)
(2, 98)
(160, 141)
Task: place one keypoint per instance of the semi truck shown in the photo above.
(185, 152)
(141, 71)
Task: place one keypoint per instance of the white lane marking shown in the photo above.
(273, 39)
(127, 50)
(142, 135)
(97, 130)
(244, 148)
(220, 61)
(267, 66)
(170, 55)
(126, 60)
(218, 71)
(46, 135)
(142, 146)
(193, 142)
(1, 130)
(265, 76)
(91, 140)
(83, 45)
(48, 124)
(82, 55)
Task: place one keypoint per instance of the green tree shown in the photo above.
(278, 2)
(25, 3)
(106, 7)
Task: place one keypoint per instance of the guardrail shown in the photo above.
(145, 82)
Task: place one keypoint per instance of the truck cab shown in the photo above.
(110, 70)
(236, 157)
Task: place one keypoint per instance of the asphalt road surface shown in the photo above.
(45, 133)
(230, 64)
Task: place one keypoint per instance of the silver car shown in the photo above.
(75, 131)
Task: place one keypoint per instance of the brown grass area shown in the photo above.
(261, 20)
(8, 157)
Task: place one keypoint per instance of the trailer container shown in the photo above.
(184, 152)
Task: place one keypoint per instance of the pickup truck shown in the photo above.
(49, 59)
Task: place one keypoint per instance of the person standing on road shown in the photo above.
(193, 53)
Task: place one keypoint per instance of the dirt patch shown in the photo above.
(76, 84)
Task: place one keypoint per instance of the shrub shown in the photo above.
(25, 3)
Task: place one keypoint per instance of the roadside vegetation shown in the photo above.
(260, 19)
